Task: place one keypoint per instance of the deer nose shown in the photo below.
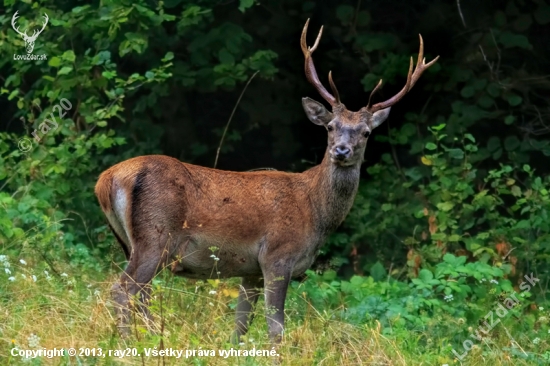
(342, 152)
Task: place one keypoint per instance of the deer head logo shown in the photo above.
(29, 40)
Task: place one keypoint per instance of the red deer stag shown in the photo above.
(265, 226)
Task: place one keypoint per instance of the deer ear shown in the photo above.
(316, 112)
(378, 117)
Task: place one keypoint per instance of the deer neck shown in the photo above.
(333, 190)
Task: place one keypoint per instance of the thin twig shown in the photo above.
(231, 117)
(460, 13)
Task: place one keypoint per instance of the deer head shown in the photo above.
(29, 40)
(348, 131)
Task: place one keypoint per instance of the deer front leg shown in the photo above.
(249, 293)
(276, 285)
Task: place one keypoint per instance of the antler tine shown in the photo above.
(13, 19)
(333, 87)
(374, 91)
(412, 78)
(45, 23)
(311, 73)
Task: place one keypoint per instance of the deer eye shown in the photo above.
(330, 127)
(366, 133)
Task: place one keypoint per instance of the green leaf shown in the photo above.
(226, 57)
(386, 207)
(245, 4)
(65, 70)
(509, 40)
(454, 237)
(514, 100)
(509, 120)
(456, 153)
(378, 272)
(54, 61)
(470, 137)
(500, 18)
(494, 89)
(329, 275)
(511, 143)
(493, 143)
(345, 13)
(467, 92)
(485, 101)
(108, 74)
(431, 146)
(451, 259)
(68, 55)
(425, 275)
(438, 236)
(169, 56)
(80, 9)
(445, 206)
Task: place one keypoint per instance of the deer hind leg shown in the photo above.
(249, 293)
(135, 279)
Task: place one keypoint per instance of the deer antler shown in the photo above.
(13, 19)
(35, 33)
(412, 78)
(311, 73)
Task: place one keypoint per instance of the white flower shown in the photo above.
(219, 272)
(7, 271)
(494, 281)
(97, 293)
(22, 261)
(536, 340)
(46, 273)
(33, 340)
(23, 275)
(64, 275)
(34, 278)
(3, 258)
(216, 259)
(213, 256)
(448, 298)
(11, 279)
(242, 343)
(210, 304)
(7, 264)
(541, 308)
(212, 292)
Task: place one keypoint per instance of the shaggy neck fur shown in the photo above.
(333, 189)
